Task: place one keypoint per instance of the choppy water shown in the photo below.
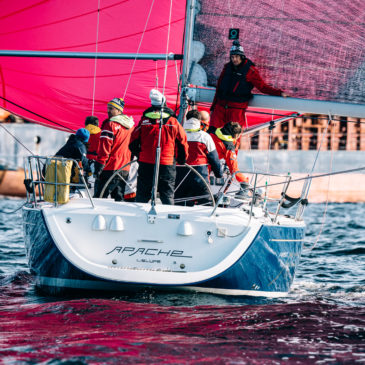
(321, 321)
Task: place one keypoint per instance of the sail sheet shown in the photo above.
(61, 92)
(311, 49)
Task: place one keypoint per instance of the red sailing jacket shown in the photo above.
(144, 139)
(115, 136)
(202, 150)
(226, 151)
(93, 142)
(252, 77)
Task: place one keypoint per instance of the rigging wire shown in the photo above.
(249, 146)
(96, 57)
(318, 176)
(167, 48)
(326, 206)
(1, 125)
(156, 84)
(36, 114)
(317, 155)
(268, 159)
(139, 46)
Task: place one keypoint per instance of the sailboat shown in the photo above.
(235, 247)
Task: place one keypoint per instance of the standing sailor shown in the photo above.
(233, 92)
(113, 152)
(144, 142)
(202, 152)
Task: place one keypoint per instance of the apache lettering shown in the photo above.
(131, 251)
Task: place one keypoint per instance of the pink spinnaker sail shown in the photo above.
(61, 92)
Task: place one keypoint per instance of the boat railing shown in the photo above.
(117, 173)
(46, 179)
(259, 193)
(43, 185)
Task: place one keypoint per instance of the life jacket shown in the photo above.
(234, 86)
(225, 145)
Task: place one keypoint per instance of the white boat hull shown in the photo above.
(118, 246)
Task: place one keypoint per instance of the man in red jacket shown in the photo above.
(202, 153)
(233, 92)
(113, 152)
(144, 142)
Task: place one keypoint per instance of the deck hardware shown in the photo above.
(185, 228)
(99, 223)
(68, 220)
(226, 200)
(209, 236)
(116, 224)
(221, 232)
(151, 218)
(173, 216)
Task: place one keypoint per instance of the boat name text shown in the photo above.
(131, 251)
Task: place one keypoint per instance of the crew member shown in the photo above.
(202, 151)
(113, 152)
(234, 86)
(144, 141)
(92, 125)
(225, 142)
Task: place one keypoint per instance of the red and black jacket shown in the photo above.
(235, 84)
(144, 138)
(115, 136)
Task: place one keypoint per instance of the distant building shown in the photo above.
(306, 133)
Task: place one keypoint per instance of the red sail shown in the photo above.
(59, 91)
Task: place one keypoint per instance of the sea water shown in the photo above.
(321, 321)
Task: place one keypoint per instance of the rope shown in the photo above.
(177, 74)
(139, 46)
(1, 125)
(167, 48)
(156, 85)
(14, 211)
(96, 56)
